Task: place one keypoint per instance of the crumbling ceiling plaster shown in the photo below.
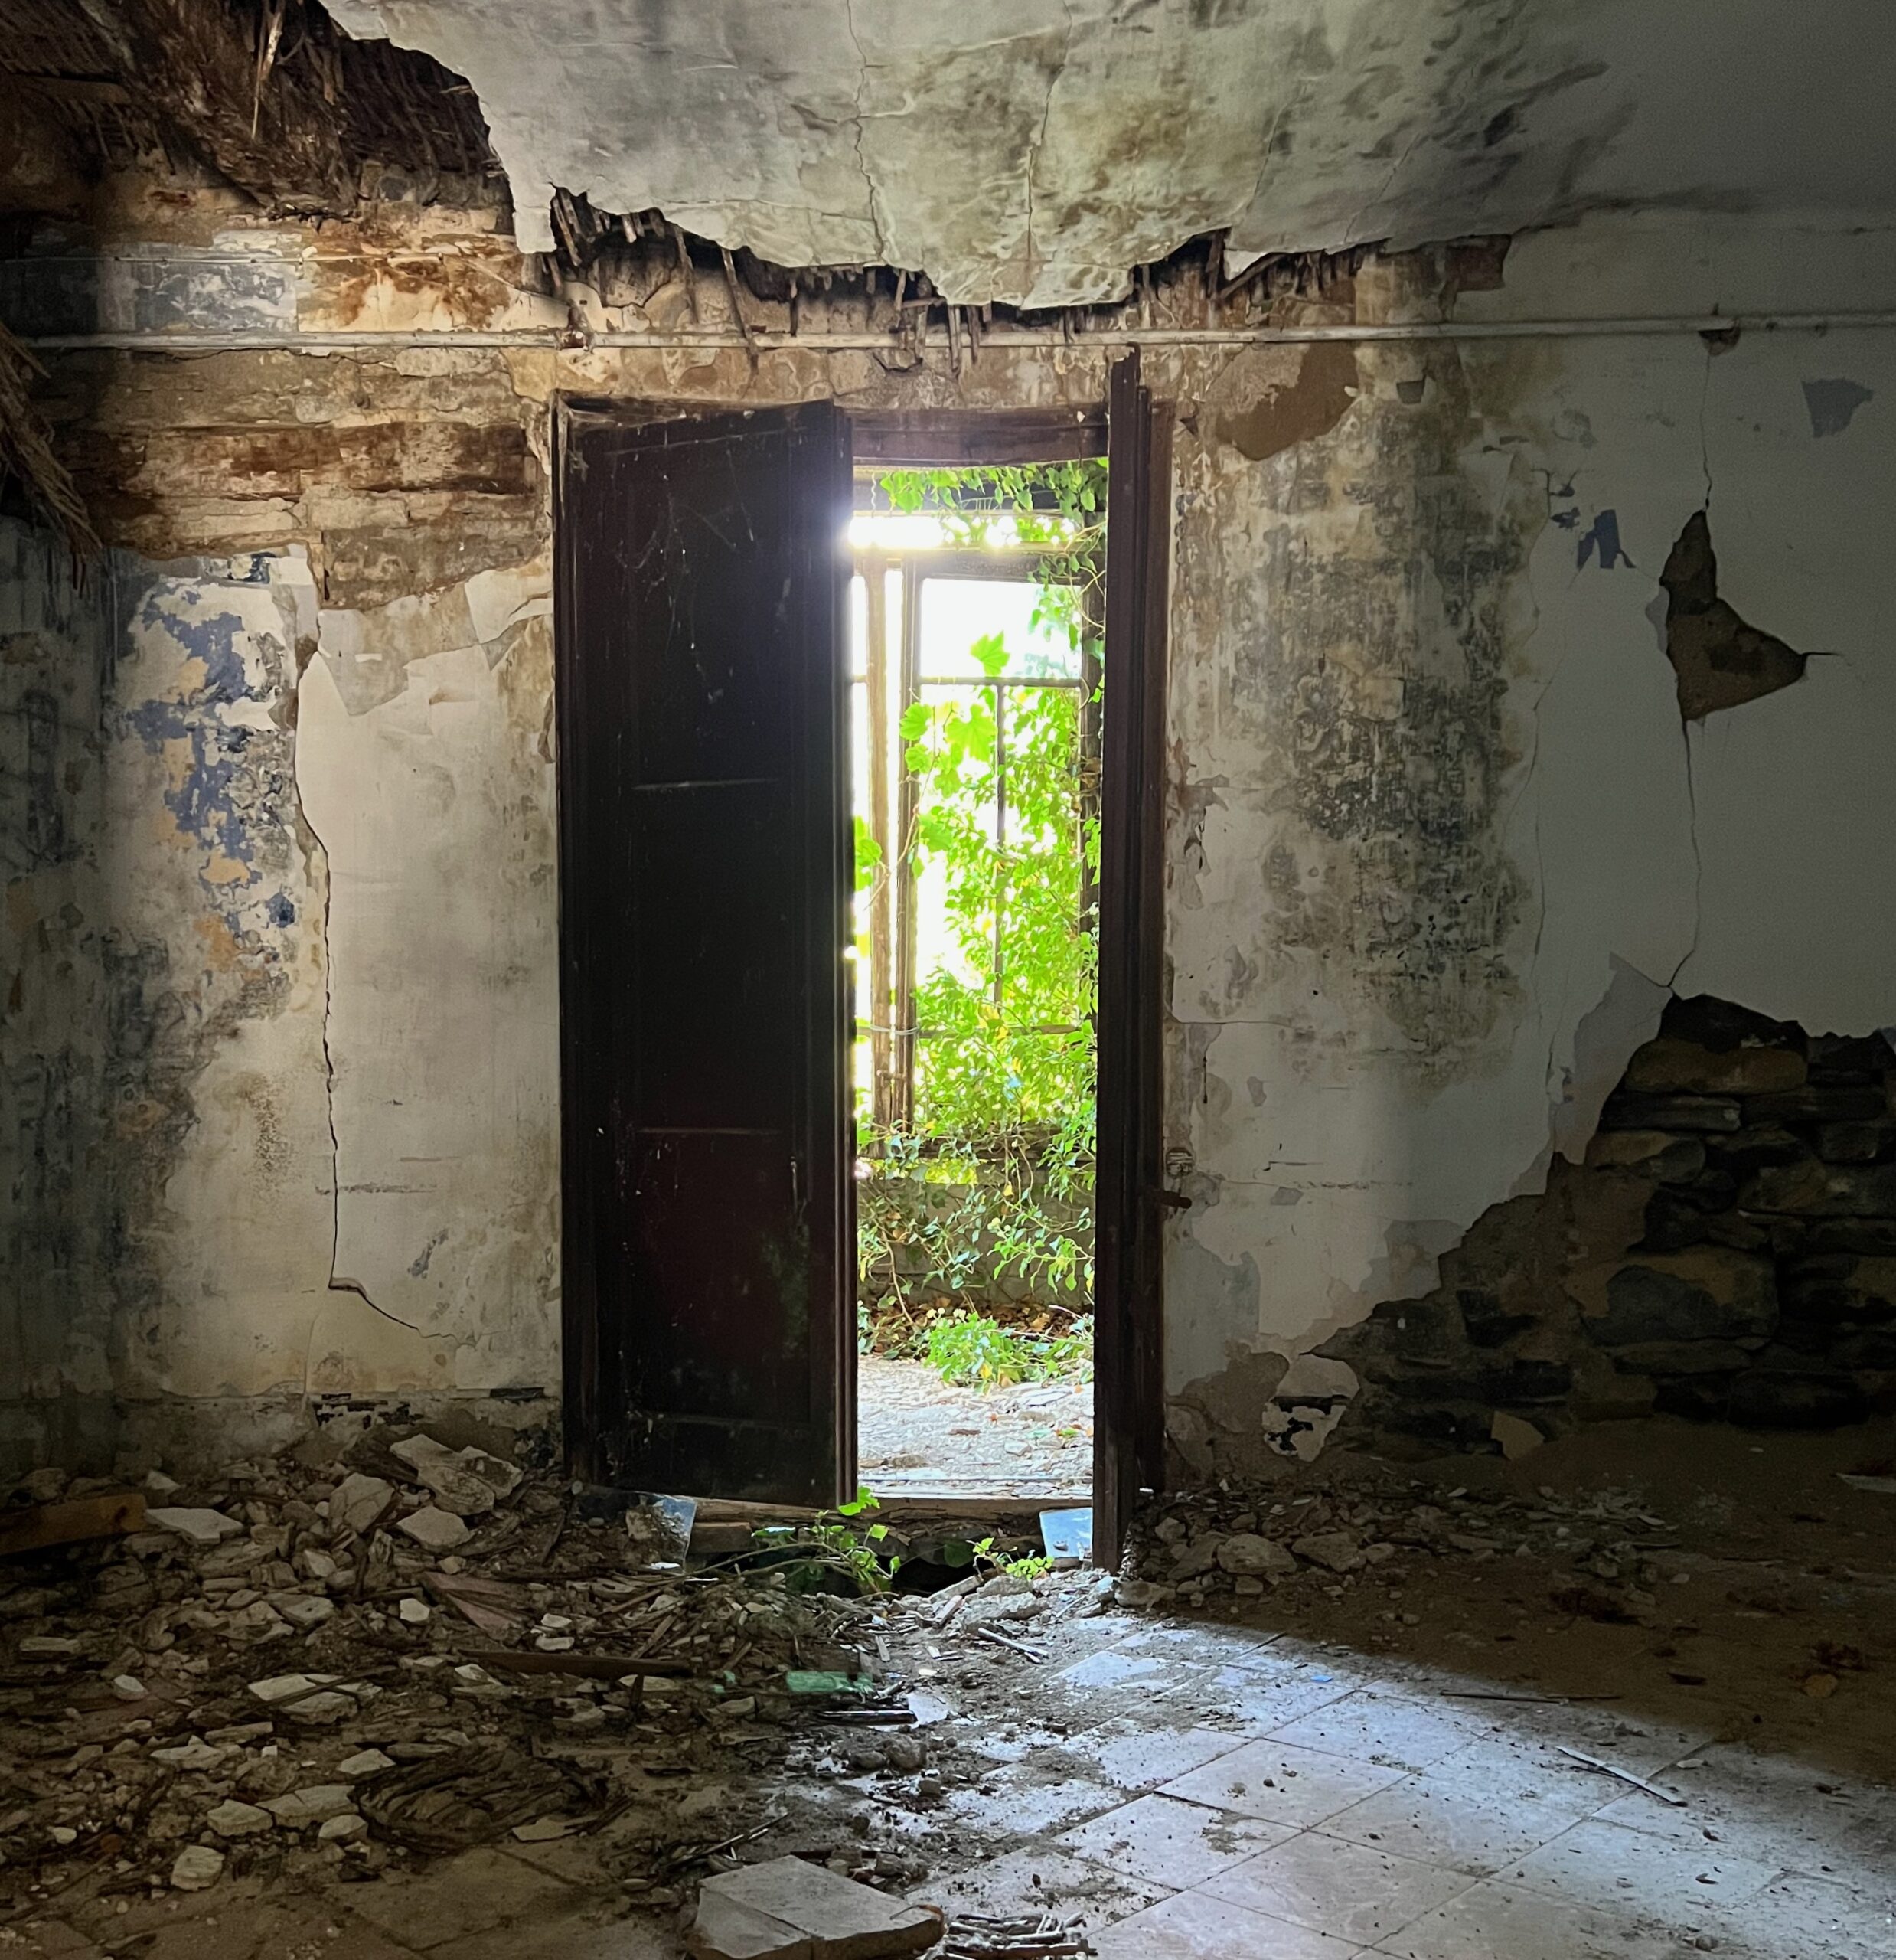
(1034, 151)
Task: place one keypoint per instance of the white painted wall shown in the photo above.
(1339, 1148)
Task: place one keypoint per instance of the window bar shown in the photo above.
(1000, 839)
(908, 691)
(874, 568)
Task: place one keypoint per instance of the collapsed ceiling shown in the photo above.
(1034, 151)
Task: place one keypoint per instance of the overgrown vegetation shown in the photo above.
(993, 1176)
(971, 1349)
(836, 1546)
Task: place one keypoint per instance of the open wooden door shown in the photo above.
(705, 878)
(1130, 1201)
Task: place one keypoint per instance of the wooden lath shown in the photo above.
(26, 454)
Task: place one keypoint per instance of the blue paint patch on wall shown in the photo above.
(1603, 536)
(279, 911)
(204, 803)
(1831, 403)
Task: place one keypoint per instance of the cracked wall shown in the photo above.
(1406, 977)
(281, 887)
(1036, 150)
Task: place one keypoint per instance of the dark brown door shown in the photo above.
(705, 871)
(1130, 1200)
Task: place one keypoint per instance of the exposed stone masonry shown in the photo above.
(1727, 1252)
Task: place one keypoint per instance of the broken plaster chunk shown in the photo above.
(1517, 1437)
(196, 1868)
(195, 1754)
(1248, 1552)
(347, 1828)
(234, 1819)
(468, 1481)
(313, 1805)
(786, 1910)
(364, 1763)
(359, 1501)
(196, 1526)
(1336, 1551)
(434, 1530)
(413, 1612)
(304, 1611)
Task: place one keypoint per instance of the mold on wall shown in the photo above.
(1349, 1115)
(1036, 150)
(281, 897)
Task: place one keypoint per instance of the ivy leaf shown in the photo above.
(990, 650)
(915, 718)
(935, 830)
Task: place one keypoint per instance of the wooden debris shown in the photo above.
(496, 1608)
(1000, 1639)
(37, 1527)
(737, 305)
(1038, 1936)
(1624, 1776)
(592, 1667)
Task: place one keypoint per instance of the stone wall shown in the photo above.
(1727, 1251)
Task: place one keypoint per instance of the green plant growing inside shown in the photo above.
(993, 1174)
(836, 1546)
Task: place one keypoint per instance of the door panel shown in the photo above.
(705, 874)
(1129, 1204)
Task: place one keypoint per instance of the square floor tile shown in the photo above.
(1616, 1869)
(1809, 1919)
(1040, 1876)
(1430, 1818)
(1193, 1926)
(467, 1894)
(1358, 1893)
(1491, 1922)
(1283, 1783)
(1379, 1726)
(1142, 1759)
(1166, 1842)
(1112, 1667)
(590, 1933)
(1261, 1700)
(1016, 1804)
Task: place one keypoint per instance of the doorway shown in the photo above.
(977, 620)
(708, 863)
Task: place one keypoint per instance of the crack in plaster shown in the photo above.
(1039, 140)
(861, 161)
(334, 1283)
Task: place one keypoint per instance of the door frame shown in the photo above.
(1135, 432)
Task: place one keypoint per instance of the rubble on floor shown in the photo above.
(1240, 1543)
(1420, 1752)
(337, 1672)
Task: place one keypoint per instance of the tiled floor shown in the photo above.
(1329, 1814)
(1195, 1793)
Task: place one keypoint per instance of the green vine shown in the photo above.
(995, 1173)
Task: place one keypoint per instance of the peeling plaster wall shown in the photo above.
(281, 907)
(1442, 842)
(1036, 150)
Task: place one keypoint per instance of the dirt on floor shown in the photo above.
(916, 1433)
(1635, 1695)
